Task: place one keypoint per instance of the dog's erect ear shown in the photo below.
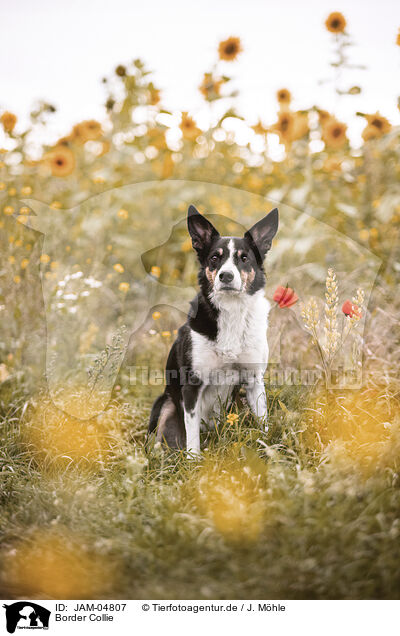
(202, 231)
(262, 233)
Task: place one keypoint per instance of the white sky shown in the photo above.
(59, 51)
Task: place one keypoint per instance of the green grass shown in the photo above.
(294, 513)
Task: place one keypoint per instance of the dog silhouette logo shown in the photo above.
(26, 615)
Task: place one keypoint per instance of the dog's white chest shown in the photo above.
(241, 337)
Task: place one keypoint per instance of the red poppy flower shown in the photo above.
(285, 296)
(349, 309)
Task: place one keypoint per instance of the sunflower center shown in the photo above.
(230, 49)
(60, 162)
(377, 123)
(335, 23)
(336, 132)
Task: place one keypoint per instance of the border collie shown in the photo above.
(223, 343)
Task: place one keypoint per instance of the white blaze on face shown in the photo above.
(229, 266)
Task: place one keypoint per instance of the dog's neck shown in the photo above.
(242, 320)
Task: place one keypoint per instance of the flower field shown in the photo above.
(96, 272)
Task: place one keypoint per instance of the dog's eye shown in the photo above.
(214, 258)
(244, 257)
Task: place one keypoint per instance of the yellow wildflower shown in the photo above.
(155, 271)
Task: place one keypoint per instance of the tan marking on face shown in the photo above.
(211, 275)
(247, 278)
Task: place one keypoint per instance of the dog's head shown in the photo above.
(232, 265)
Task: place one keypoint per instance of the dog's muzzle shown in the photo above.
(226, 281)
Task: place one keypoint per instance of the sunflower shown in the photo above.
(8, 120)
(284, 127)
(61, 161)
(89, 130)
(229, 49)
(210, 87)
(336, 22)
(188, 127)
(334, 133)
(259, 129)
(381, 124)
(398, 38)
(370, 132)
(284, 96)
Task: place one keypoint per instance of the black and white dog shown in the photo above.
(223, 343)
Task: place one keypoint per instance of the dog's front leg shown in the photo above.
(192, 414)
(257, 399)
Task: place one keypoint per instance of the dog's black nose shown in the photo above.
(226, 277)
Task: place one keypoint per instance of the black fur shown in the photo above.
(155, 412)
(182, 386)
